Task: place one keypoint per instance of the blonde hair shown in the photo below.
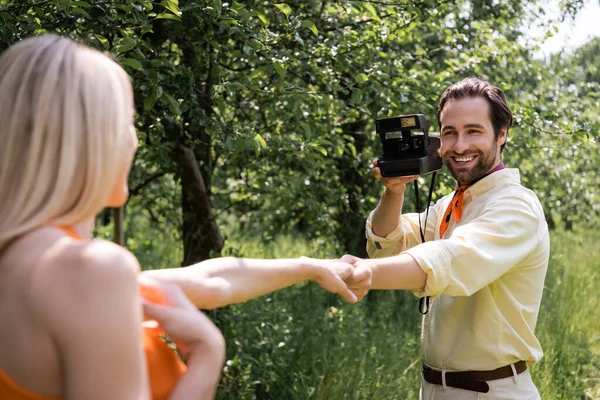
(65, 112)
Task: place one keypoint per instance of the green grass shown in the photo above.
(569, 322)
(371, 349)
(303, 343)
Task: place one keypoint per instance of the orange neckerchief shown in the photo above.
(456, 205)
(454, 209)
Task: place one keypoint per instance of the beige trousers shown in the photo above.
(519, 387)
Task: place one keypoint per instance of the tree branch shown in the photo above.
(137, 188)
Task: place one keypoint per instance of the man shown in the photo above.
(483, 263)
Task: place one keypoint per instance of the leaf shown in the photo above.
(361, 77)
(284, 8)
(357, 95)
(260, 140)
(279, 69)
(307, 129)
(103, 41)
(80, 11)
(150, 101)
(256, 146)
(372, 10)
(263, 19)
(125, 45)
(257, 73)
(128, 42)
(217, 6)
(310, 25)
(165, 15)
(236, 6)
(322, 150)
(352, 148)
(239, 9)
(133, 63)
(83, 4)
(172, 5)
(173, 104)
(256, 44)
(146, 29)
(237, 85)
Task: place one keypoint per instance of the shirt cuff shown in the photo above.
(436, 263)
(380, 242)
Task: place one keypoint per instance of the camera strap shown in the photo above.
(424, 302)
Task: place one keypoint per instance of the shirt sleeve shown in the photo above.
(481, 251)
(404, 236)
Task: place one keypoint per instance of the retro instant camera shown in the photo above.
(406, 152)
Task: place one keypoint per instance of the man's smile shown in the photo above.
(463, 161)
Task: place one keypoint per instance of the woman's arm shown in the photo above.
(221, 281)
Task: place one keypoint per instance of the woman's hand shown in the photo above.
(179, 319)
(197, 338)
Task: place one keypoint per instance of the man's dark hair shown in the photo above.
(501, 115)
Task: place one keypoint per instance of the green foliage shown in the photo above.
(556, 145)
(277, 100)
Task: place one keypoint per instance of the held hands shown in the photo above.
(394, 185)
(330, 274)
(359, 281)
(350, 277)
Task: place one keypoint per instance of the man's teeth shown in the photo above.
(463, 159)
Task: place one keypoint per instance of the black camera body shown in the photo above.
(405, 153)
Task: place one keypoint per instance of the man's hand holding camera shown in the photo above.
(387, 213)
(395, 185)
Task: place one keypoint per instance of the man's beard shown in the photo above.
(484, 163)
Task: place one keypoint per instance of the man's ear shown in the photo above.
(502, 136)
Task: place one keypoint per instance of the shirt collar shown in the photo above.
(497, 168)
(501, 177)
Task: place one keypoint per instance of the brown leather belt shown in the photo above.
(475, 381)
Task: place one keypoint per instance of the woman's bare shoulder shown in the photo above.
(74, 278)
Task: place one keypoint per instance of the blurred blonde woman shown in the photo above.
(70, 311)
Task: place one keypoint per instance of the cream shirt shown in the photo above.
(485, 277)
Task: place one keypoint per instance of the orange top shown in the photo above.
(9, 390)
(164, 365)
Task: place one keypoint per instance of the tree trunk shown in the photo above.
(201, 237)
(352, 222)
(119, 232)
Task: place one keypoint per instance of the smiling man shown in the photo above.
(483, 263)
